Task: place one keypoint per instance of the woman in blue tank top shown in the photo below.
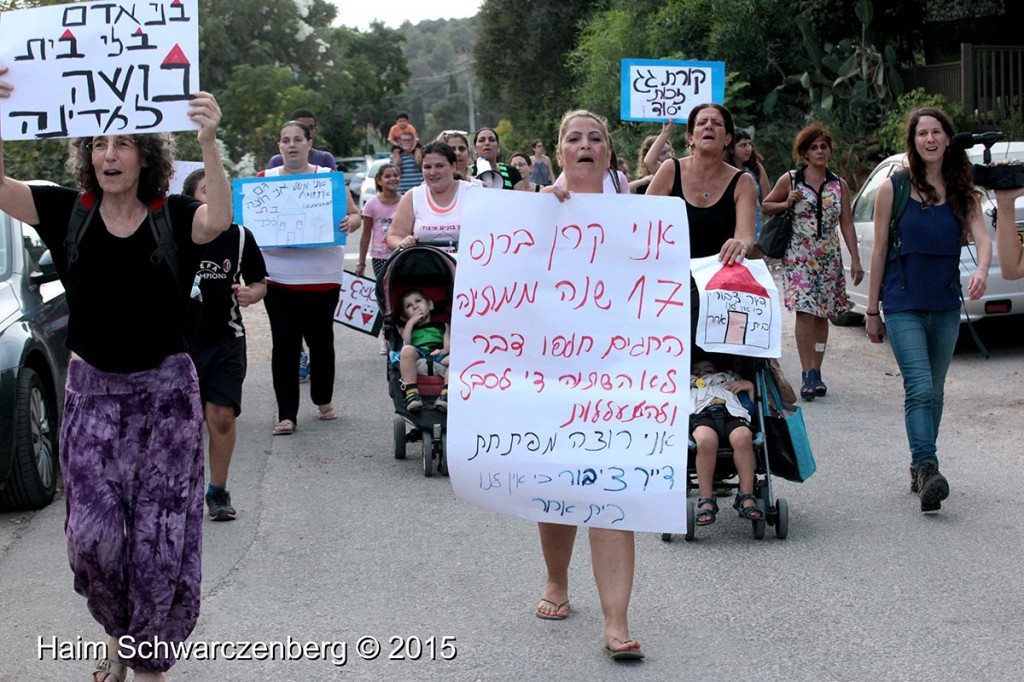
(920, 276)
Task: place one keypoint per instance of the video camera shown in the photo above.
(1008, 174)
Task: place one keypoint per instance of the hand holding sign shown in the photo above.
(204, 110)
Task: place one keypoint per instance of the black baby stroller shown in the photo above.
(774, 512)
(432, 272)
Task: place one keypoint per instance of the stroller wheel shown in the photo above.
(399, 424)
(691, 520)
(428, 454)
(782, 520)
(442, 463)
(760, 524)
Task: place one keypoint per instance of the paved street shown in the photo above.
(336, 541)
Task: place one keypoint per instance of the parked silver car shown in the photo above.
(33, 365)
(354, 168)
(1002, 297)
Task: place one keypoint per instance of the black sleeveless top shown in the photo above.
(712, 226)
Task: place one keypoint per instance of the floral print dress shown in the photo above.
(812, 269)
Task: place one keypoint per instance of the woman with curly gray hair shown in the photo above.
(131, 446)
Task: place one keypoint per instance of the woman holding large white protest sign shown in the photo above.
(431, 213)
(721, 210)
(584, 152)
(302, 293)
(131, 445)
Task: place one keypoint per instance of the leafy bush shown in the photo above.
(892, 131)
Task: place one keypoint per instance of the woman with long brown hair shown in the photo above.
(920, 276)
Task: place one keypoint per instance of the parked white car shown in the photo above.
(369, 187)
(1002, 297)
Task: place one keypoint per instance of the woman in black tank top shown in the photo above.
(720, 202)
(720, 209)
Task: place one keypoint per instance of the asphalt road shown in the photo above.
(337, 541)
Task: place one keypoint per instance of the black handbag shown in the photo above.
(777, 232)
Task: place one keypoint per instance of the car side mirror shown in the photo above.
(46, 271)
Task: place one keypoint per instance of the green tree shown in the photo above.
(519, 55)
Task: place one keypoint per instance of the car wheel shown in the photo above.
(33, 480)
(850, 319)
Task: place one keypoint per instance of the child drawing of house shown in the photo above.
(739, 309)
(291, 224)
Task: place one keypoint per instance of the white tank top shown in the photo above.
(436, 225)
(316, 265)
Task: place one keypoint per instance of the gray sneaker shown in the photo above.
(219, 506)
(934, 487)
(413, 402)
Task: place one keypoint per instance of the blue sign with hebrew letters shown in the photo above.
(292, 210)
(660, 89)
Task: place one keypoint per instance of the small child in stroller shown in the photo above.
(718, 413)
(423, 341)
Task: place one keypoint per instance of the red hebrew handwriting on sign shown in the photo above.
(570, 339)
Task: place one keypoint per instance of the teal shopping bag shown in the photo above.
(786, 443)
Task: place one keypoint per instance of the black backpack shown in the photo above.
(159, 223)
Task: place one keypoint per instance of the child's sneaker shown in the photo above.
(441, 402)
(413, 401)
(303, 366)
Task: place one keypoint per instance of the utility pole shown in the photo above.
(472, 108)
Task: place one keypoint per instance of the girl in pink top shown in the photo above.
(377, 215)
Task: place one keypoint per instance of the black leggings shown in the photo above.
(296, 315)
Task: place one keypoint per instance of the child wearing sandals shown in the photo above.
(716, 412)
(422, 338)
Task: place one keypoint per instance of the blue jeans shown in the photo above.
(923, 344)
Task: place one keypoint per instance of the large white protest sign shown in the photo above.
(99, 68)
(292, 210)
(570, 359)
(357, 304)
(659, 90)
(739, 308)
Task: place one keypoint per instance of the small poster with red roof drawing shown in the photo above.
(739, 308)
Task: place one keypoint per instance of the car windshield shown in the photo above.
(351, 165)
